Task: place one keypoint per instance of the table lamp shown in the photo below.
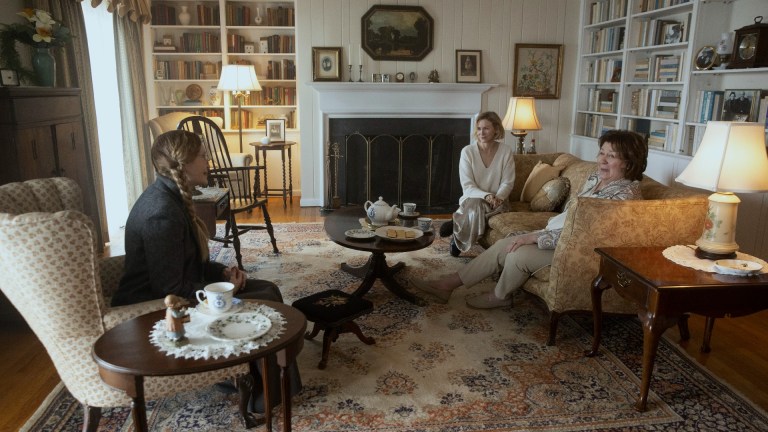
(240, 80)
(521, 118)
(731, 158)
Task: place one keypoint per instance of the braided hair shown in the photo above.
(171, 151)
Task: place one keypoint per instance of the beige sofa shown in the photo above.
(666, 216)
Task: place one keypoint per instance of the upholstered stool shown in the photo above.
(333, 311)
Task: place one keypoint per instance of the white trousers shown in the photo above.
(469, 222)
(515, 267)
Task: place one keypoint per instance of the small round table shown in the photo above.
(341, 220)
(125, 355)
(286, 191)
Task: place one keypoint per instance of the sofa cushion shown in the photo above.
(552, 195)
(541, 174)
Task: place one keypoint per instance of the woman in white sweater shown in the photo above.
(487, 174)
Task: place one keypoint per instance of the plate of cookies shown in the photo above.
(398, 234)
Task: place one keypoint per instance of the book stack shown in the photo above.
(207, 15)
(602, 100)
(278, 44)
(163, 14)
(607, 39)
(238, 15)
(607, 10)
(667, 103)
(163, 48)
(281, 16)
(668, 68)
(642, 70)
(709, 105)
(204, 42)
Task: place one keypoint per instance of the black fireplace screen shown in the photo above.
(402, 160)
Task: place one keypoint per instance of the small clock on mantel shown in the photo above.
(750, 46)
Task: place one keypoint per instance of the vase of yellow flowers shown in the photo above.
(42, 33)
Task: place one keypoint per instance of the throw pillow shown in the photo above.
(551, 195)
(540, 174)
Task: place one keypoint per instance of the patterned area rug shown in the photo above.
(446, 367)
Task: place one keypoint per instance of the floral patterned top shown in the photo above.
(623, 189)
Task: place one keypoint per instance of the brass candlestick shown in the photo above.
(350, 73)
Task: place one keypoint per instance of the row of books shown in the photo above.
(596, 125)
(203, 42)
(267, 44)
(604, 70)
(660, 32)
(274, 16)
(251, 120)
(659, 68)
(284, 69)
(166, 15)
(659, 103)
(601, 11)
(186, 70)
(607, 39)
(602, 100)
(662, 138)
(709, 105)
(749, 105)
(201, 112)
(649, 5)
(270, 95)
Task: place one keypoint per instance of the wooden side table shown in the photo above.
(211, 207)
(125, 355)
(287, 190)
(663, 291)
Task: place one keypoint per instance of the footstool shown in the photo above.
(333, 311)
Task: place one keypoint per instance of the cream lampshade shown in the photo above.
(240, 80)
(521, 118)
(731, 158)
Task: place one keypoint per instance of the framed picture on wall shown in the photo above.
(538, 70)
(275, 130)
(326, 63)
(469, 66)
(394, 32)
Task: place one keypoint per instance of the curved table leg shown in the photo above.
(377, 268)
(598, 286)
(653, 327)
(138, 404)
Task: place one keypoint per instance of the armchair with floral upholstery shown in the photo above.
(52, 272)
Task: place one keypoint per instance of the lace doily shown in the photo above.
(685, 256)
(202, 346)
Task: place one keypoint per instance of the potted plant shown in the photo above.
(41, 32)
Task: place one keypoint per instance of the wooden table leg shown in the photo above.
(598, 286)
(653, 327)
(708, 327)
(138, 404)
(377, 268)
(267, 397)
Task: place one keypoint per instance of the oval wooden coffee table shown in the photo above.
(125, 356)
(341, 220)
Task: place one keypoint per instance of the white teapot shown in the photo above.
(380, 213)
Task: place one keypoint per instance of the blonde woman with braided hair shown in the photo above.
(166, 244)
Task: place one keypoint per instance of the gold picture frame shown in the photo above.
(538, 70)
(705, 58)
(326, 63)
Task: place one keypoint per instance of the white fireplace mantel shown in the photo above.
(395, 100)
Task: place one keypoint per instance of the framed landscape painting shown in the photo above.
(393, 32)
(538, 70)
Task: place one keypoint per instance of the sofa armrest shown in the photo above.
(593, 223)
(111, 270)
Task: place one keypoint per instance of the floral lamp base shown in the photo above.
(718, 241)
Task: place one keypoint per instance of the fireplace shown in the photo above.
(401, 159)
(401, 141)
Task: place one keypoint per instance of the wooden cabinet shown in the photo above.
(44, 136)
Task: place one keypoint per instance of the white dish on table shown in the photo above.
(360, 234)
(237, 304)
(382, 232)
(239, 327)
(737, 267)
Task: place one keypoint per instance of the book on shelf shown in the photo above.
(642, 69)
(762, 112)
(164, 48)
(650, 5)
(601, 11)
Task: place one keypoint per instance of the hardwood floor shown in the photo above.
(27, 375)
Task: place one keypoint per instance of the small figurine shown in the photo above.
(175, 317)
(433, 77)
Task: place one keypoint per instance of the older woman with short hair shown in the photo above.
(620, 164)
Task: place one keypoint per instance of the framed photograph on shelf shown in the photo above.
(326, 63)
(394, 32)
(9, 77)
(538, 70)
(275, 130)
(469, 66)
(673, 32)
(741, 105)
(705, 58)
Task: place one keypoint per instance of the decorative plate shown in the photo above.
(237, 304)
(193, 92)
(239, 327)
(387, 232)
(737, 267)
(359, 234)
